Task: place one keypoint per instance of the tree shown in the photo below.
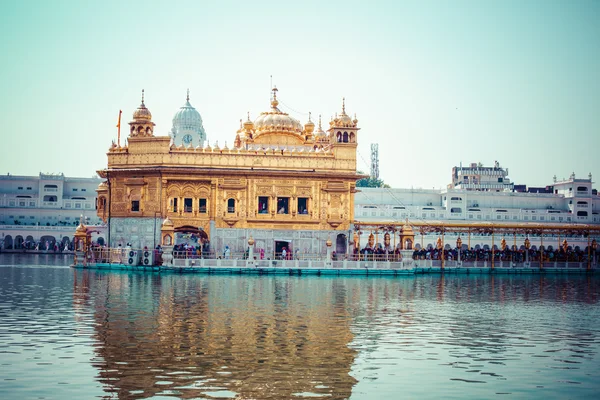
(370, 182)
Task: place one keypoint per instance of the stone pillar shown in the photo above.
(250, 261)
(328, 262)
(167, 234)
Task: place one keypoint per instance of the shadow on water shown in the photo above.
(140, 335)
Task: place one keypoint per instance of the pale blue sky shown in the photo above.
(434, 83)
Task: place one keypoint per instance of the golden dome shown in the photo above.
(320, 135)
(309, 126)
(343, 120)
(81, 228)
(276, 121)
(248, 125)
(167, 222)
(142, 113)
(407, 230)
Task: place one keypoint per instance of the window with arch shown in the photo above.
(339, 137)
(345, 137)
(231, 206)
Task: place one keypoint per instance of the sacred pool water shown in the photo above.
(68, 333)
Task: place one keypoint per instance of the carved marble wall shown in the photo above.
(139, 232)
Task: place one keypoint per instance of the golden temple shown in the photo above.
(280, 180)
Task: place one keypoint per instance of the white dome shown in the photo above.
(187, 126)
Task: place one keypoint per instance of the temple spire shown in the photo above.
(142, 96)
(343, 105)
(188, 95)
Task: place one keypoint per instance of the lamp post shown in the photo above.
(251, 250)
(527, 246)
(440, 246)
(594, 248)
(459, 246)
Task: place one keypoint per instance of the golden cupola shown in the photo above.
(320, 135)
(277, 127)
(342, 128)
(142, 125)
(343, 120)
(309, 128)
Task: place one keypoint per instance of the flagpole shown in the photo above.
(119, 131)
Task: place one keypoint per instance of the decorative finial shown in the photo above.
(309, 115)
(240, 123)
(188, 95)
(248, 115)
(343, 105)
(142, 96)
(320, 122)
(274, 101)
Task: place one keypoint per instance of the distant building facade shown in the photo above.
(478, 177)
(47, 205)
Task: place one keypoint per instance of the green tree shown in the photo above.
(370, 182)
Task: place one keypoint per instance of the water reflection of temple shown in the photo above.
(261, 338)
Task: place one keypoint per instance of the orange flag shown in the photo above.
(119, 131)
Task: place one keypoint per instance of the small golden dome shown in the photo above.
(309, 127)
(406, 230)
(328, 242)
(343, 120)
(167, 222)
(142, 113)
(251, 241)
(248, 125)
(81, 228)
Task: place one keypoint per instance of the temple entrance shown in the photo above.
(341, 244)
(279, 246)
(189, 238)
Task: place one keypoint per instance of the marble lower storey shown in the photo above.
(304, 241)
(139, 232)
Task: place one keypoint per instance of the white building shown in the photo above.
(569, 201)
(478, 177)
(48, 205)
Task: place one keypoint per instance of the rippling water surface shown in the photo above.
(68, 333)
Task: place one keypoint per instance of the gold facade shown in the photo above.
(275, 161)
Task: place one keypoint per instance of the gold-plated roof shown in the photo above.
(343, 120)
(276, 121)
(142, 113)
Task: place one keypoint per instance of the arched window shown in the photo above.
(231, 205)
(345, 137)
(339, 137)
(352, 137)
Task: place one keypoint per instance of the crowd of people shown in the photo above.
(40, 245)
(516, 255)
